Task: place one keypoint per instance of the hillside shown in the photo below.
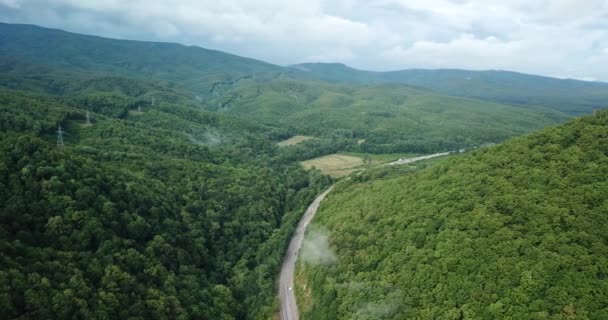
(188, 67)
(565, 95)
(209, 73)
(515, 231)
(179, 182)
(167, 212)
(388, 118)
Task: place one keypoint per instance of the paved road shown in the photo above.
(289, 308)
(410, 160)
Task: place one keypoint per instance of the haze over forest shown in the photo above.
(563, 39)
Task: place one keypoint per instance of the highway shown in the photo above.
(289, 308)
(410, 160)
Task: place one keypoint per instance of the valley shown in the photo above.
(505, 224)
(153, 180)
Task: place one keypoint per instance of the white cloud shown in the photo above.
(550, 37)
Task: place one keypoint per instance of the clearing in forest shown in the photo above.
(293, 140)
(339, 165)
(335, 165)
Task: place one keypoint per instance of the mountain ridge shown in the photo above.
(197, 69)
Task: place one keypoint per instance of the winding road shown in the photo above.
(289, 308)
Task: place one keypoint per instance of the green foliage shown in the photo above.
(196, 69)
(515, 231)
(141, 216)
(567, 95)
(175, 202)
(390, 118)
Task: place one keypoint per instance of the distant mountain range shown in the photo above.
(199, 70)
(567, 95)
(144, 180)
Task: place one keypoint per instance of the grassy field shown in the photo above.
(342, 164)
(293, 140)
(335, 165)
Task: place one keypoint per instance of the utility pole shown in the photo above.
(59, 136)
(88, 118)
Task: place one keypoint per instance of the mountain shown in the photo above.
(565, 95)
(516, 231)
(143, 180)
(147, 211)
(383, 118)
(386, 118)
(188, 67)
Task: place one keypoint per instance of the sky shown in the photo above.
(559, 38)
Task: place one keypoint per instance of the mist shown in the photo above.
(316, 249)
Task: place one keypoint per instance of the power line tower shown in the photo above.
(88, 118)
(60, 136)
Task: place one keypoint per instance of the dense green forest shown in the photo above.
(515, 231)
(205, 72)
(166, 213)
(381, 119)
(385, 118)
(170, 197)
(566, 95)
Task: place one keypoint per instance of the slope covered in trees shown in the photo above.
(167, 213)
(190, 67)
(207, 72)
(565, 95)
(389, 118)
(515, 231)
(174, 201)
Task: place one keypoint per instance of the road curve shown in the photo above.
(289, 308)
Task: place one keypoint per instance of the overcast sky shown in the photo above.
(561, 38)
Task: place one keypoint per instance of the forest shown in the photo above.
(144, 180)
(513, 231)
(169, 212)
(392, 113)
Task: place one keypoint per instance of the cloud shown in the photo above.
(549, 37)
(13, 4)
(316, 250)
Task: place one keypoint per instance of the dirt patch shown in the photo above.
(293, 140)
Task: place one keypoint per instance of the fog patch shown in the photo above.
(316, 250)
(380, 305)
(208, 138)
(375, 311)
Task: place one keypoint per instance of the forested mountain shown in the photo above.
(188, 67)
(568, 95)
(169, 197)
(515, 231)
(207, 72)
(168, 212)
(382, 118)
